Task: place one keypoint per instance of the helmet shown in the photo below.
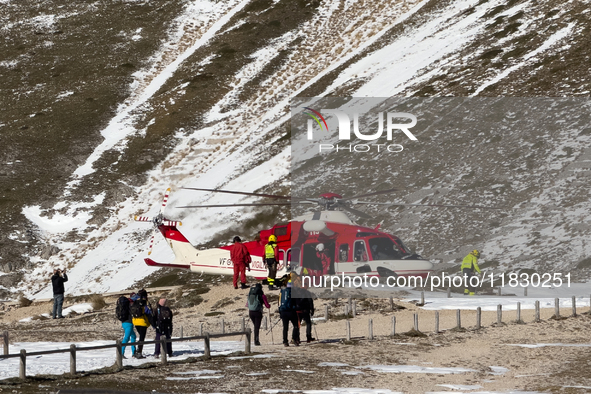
(272, 238)
(476, 253)
(320, 247)
(237, 239)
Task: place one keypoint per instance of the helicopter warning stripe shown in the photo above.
(315, 118)
(165, 200)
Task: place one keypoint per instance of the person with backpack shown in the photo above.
(123, 313)
(255, 301)
(288, 313)
(141, 314)
(241, 259)
(304, 300)
(163, 325)
(271, 261)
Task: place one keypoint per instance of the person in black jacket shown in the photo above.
(163, 326)
(304, 306)
(57, 281)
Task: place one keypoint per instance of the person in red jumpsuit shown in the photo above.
(324, 258)
(240, 259)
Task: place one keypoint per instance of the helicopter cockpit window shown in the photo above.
(360, 252)
(343, 253)
(280, 231)
(385, 249)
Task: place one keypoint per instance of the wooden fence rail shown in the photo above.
(73, 349)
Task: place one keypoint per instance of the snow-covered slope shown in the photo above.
(209, 107)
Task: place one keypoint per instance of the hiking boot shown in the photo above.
(138, 356)
(310, 340)
(244, 286)
(285, 344)
(235, 287)
(257, 343)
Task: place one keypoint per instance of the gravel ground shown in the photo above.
(563, 369)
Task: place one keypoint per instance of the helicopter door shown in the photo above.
(360, 252)
(280, 259)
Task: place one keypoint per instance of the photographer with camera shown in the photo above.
(57, 280)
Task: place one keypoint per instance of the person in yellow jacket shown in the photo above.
(141, 314)
(469, 267)
(271, 260)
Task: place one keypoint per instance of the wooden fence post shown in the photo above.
(393, 325)
(478, 318)
(537, 313)
(449, 292)
(525, 291)
(73, 359)
(119, 354)
(5, 337)
(436, 322)
(422, 298)
(207, 349)
(163, 351)
(519, 312)
(416, 321)
(326, 312)
(574, 306)
(557, 308)
(370, 334)
(247, 342)
(458, 319)
(354, 308)
(499, 314)
(500, 290)
(391, 303)
(348, 329)
(200, 329)
(223, 327)
(181, 332)
(23, 365)
(242, 325)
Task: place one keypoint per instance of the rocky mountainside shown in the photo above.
(105, 105)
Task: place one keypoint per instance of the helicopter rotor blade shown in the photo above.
(372, 194)
(165, 199)
(142, 219)
(151, 244)
(236, 205)
(427, 205)
(242, 193)
(355, 211)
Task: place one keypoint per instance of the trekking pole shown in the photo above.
(271, 330)
(272, 340)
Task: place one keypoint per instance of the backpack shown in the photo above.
(254, 300)
(122, 309)
(137, 309)
(286, 302)
(164, 318)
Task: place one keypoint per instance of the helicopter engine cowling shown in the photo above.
(318, 226)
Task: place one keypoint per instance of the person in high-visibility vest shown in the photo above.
(469, 267)
(271, 260)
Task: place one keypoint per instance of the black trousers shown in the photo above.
(142, 330)
(305, 316)
(468, 273)
(272, 267)
(256, 317)
(287, 317)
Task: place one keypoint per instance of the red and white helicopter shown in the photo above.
(352, 249)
